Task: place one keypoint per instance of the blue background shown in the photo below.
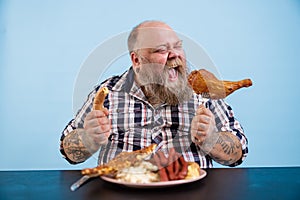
(44, 43)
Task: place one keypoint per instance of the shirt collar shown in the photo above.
(129, 85)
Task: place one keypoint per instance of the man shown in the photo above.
(152, 103)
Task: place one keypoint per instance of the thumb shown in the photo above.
(200, 109)
(105, 111)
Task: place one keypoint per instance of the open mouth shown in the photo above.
(174, 63)
(173, 74)
(173, 66)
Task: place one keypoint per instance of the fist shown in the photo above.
(203, 125)
(97, 126)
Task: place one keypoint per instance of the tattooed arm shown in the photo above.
(224, 147)
(79, 144)
(75, 148)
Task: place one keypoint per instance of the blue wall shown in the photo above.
(44, 43)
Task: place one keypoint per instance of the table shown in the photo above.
(220, 183)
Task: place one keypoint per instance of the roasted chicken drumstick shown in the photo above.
(205, 83)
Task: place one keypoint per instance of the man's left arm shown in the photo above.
(218, 134)
(223, 147)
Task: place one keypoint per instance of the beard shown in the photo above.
(159, 89)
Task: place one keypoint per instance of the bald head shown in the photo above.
(153, 24)
(144, 34)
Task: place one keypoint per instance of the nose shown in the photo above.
(173, 54)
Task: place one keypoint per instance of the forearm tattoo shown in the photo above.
(227, 144)
(74, 147)
(224, 148)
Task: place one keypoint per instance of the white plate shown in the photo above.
(155, 184)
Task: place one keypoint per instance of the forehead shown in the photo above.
(155, 36)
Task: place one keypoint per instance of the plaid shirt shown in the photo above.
(136, 123)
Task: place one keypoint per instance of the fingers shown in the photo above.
(98, 130)
(99, 138)
(203, 110)
(96, 118)
(96, 114)
(97, 126)
(203, 124)
(97, 122)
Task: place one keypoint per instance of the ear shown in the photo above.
(134, 59)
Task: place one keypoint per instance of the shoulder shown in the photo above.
(111, 82)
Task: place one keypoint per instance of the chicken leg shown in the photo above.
(205, 83)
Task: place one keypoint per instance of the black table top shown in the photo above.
(220, 183)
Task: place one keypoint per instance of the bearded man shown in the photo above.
(152, 103)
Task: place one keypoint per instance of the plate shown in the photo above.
(155, 184)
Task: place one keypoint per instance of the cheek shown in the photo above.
(160, 59)
(156, 63)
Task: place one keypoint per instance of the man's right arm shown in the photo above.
(80, 143)
(75, 148)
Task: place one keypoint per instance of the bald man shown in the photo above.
(152, 103)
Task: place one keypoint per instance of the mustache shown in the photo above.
(174, 63)
(149, 76)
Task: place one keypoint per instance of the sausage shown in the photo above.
(176, 165)
(171, 164)
(184, 168)
(170, 170)
(161, 170)
(163, 174)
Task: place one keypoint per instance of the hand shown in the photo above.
(97, 127)
(203, 125)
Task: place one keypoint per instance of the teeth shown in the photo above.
(174, 63)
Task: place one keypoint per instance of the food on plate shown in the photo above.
(99, 98)
(145, 166)
(205, 83)
(193, 170)
(121, 161)
(143, 172)
(174, 167)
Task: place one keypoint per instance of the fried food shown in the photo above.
(205, 83)
(137, 167)
(99, 98)
(121, 161)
